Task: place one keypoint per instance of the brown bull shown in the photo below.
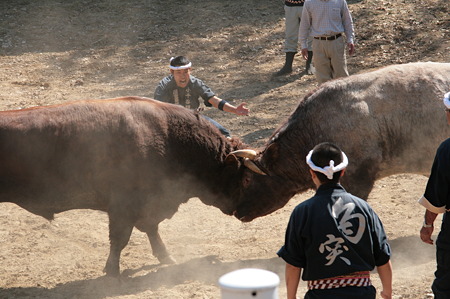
(136, 159)
(387, 121)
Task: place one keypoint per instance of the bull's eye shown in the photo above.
(246, 181)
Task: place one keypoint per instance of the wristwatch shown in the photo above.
(427, 225)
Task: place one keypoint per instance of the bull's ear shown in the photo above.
(231, 166)
(231, 160)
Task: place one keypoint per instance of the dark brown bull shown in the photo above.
(387, 121)
(136, 159)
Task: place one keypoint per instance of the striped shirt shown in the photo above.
(325, 18)
(294, 2)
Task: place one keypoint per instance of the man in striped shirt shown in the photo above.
(293, 13)
(326, 21)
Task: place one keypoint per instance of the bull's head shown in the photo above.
(263, 189)
(249, 155)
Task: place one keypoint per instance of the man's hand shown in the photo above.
(385, 295)
(305, 53)
(242, 110)
(425, 235)
(351, 49)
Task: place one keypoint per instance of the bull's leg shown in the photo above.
(120, 229)
(158, 247)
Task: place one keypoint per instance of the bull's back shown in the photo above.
(393, 117)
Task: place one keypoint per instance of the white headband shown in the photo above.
(447, 100)
(181, 67)
(327, 170)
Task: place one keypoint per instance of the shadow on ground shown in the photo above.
(407, 251)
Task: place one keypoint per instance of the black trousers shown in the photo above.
(343, 293)
(441, 283)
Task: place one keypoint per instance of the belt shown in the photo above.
(357, 279)
(328, 37)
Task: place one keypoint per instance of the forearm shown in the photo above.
(428, 227)
(292, 280)
(430, 217)
(385, 273)
(227, 107)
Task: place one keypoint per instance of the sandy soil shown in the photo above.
(53, 51)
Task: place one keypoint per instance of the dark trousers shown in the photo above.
(441, 283)
(218, 126)
(343, 293)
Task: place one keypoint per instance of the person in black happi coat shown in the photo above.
(334, 239)
(437, 201)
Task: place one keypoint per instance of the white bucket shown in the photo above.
(249, 284)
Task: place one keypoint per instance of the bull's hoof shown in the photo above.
(111, 271)
(166, 260)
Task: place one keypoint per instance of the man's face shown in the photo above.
(181, 77)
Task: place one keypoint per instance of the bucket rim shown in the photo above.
(244, 279)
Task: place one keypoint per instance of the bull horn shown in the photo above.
(245, 153)
(253, 167)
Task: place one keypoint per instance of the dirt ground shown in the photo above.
(53, 51)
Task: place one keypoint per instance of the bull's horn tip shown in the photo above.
(245, 153)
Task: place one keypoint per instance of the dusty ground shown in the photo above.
(53, 51)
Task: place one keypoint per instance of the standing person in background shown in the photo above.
(326, 21)
(293, 13)
(181, 88)
(335, 238)
(436, 200)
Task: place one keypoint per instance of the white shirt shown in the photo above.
(325, 18)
